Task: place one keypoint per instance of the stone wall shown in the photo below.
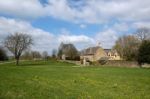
(121, 63)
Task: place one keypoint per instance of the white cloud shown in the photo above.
(22, 8)
(75, 39)
(64, 31)
(43, 41)
(98, 11)
(107, 38)
(141, 24)
(80, 41)
(129, 13)
(93, 11)
(47, 41)
(120, 27)
(82, 26)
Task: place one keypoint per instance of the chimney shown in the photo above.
(98, 44)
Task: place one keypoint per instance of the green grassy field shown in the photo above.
(58, 80)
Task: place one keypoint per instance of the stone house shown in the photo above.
(96, 53)
(92, 53)
(112, 54)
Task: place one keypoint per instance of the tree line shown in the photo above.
(19, 44)
(135, 47)
(34, 55)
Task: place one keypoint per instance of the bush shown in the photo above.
(103, 60)
(76, 58)
(3, 55)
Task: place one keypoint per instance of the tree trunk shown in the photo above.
(17, 61)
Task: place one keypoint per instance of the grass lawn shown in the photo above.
(57, 80)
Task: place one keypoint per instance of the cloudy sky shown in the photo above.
(81, 22)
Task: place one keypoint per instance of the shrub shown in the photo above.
(103, 60)
(3, 55)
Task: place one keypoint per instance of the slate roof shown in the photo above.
(110, 50)
(107, 50)
(89, 51)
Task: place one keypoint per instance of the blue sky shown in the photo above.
(81, 22)
(56, 25)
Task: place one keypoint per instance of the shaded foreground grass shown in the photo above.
(58, 80)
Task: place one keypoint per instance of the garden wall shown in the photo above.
(121, 63)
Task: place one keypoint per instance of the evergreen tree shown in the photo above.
(3, 55)
(144, 52)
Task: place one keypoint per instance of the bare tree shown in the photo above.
(54, 53)
(17, 43)
(69, 50)
(127, 47)
(27, 55)
(36, 55)
(60, 52)
(143, 33)
(45, 55)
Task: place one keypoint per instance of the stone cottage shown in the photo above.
(96, 53)
(92, 53)
(112, 54)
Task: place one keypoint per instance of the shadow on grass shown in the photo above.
(29, 63)
(26, 63)
(34, 63)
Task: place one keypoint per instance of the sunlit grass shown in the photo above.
(58, 80)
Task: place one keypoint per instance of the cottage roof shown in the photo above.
(90, 51)
(113, 52)
(107, 50)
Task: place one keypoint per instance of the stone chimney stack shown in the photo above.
(98, 44)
